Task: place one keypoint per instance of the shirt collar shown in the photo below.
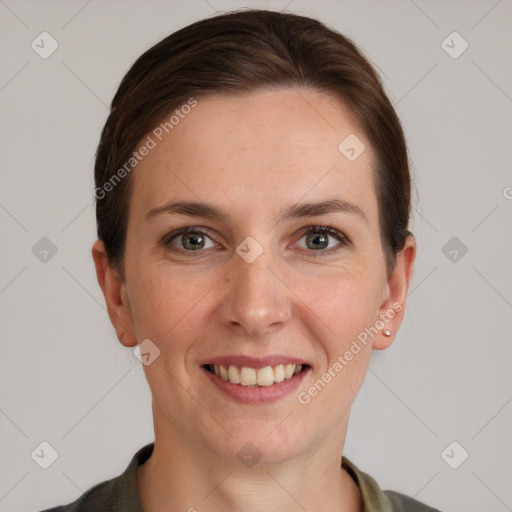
(374, 499)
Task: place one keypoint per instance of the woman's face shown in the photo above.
(251, 287)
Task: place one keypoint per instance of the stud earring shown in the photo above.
(386, 332)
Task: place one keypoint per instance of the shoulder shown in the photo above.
(97, 498)
(402, 503)
(377, 500)
(119, 493)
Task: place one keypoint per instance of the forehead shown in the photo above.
(266, 147)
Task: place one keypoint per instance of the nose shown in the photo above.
(257, 301)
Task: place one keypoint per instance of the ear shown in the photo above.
(392, 308)
(116, 296)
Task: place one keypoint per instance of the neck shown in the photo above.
(182, 475)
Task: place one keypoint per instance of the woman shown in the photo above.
(253, 199)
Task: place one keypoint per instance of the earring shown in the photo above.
(386, 332)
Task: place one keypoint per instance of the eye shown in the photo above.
(191, 240)
(317, 239)
(188, 240)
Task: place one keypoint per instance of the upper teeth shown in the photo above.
(252, 377)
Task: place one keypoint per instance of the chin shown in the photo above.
(255, 447)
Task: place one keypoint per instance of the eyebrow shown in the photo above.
(209, 211)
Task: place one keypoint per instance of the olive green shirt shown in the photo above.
(120, 493)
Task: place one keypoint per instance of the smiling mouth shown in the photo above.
(256, 377)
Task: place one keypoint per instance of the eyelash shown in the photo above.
(343, 239)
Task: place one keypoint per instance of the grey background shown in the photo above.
(65, 379)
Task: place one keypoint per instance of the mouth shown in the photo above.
(250, 377)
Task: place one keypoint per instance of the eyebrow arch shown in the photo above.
(208, 211)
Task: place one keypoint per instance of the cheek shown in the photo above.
(338, 312)
(337, 309)
(342, 300)
(167, 305)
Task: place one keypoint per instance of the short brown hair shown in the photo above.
(239, 52)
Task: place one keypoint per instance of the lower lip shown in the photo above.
(256, 394)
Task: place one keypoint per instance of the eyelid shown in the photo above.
(342, 238)
(169, 237)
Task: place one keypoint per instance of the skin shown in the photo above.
(253, 156)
